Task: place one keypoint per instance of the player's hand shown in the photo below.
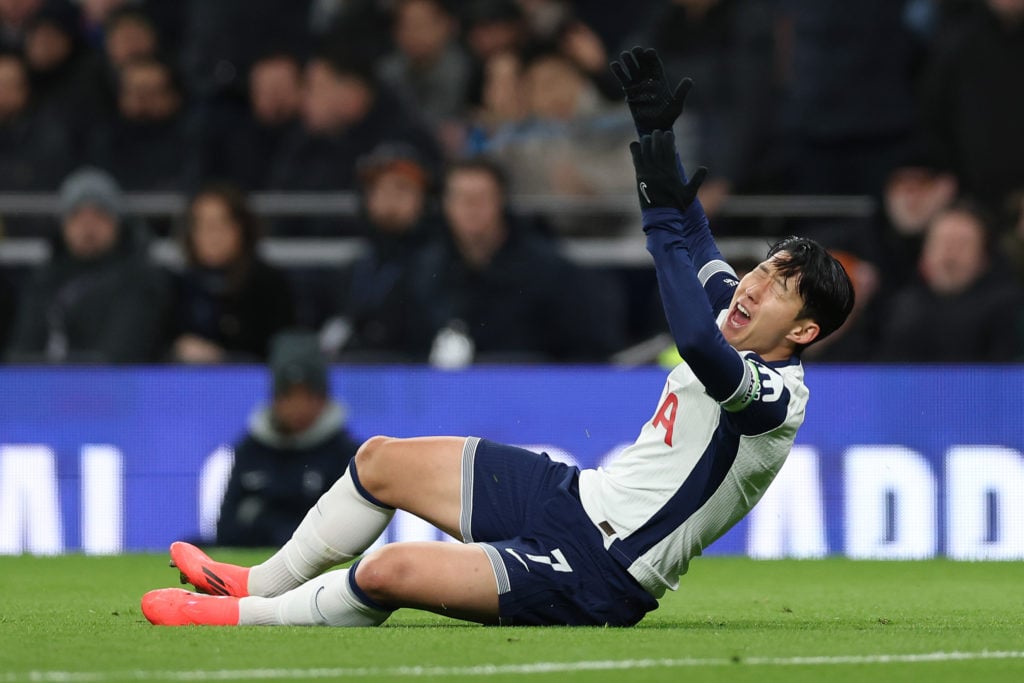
(658, 181)
(652, 102)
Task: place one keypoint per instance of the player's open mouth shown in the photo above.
(739, 316)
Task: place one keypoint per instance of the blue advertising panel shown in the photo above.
(894, 462)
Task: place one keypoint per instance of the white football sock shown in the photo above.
(342, 524)
(328, 600)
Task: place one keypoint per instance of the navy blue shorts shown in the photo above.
(524, 510)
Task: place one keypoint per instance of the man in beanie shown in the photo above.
(98, 300)
(376, 311)
(294, 449)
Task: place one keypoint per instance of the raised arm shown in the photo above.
(743, 383)
(655, 106)
(664, 200)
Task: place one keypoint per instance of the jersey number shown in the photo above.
(556, 561)
(666, 416)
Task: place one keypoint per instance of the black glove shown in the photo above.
(658, 182)
(652, 103)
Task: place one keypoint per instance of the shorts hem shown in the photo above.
(498, 567)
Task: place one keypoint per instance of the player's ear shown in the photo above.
(804, 331)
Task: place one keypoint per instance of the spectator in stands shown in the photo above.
(35, 150)
(496, 291)
(345, 114)
(96, 13)
(61, 68)
(556, 22)
(502, 101)
(228, 301)
(243, 149)
(963, 309)
(221, 40)
(98, 299)
(491, 27)
(14, 18)
(129, 35)
(571, 143)
(974, 105)
(377, 309)
(56, 55)
(292, 452)
(150, 143)
(914, 194)
(429, 66)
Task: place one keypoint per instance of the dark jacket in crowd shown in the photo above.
(105, 310)
(153, 156)
(377, 297)
(239, 148)
(981, 324)
(974, 106)
(35, 152)
(277, 478)
(67, 90)
(528, 304)
(241, 317)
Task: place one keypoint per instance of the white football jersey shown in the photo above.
(696, 469)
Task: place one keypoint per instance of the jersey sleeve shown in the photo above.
(688, 310)
(715, 274)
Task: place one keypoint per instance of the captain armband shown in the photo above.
(748, 391)
(712, 268)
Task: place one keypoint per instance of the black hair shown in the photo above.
(539, 50)
(824, 285)
(346, 61)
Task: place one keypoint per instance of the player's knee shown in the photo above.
(373, 460)
(384, 573)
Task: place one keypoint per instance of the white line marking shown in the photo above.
(493, 669)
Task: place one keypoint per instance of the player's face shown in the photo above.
(762, 316)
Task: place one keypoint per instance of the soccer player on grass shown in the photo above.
(545, 543)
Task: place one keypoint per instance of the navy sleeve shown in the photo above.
(688, 311)
(713, 271)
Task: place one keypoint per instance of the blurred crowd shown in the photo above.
(436, 112)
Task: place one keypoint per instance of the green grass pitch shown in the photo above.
(77, 620)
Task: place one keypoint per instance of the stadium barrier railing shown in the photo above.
(622, 250)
